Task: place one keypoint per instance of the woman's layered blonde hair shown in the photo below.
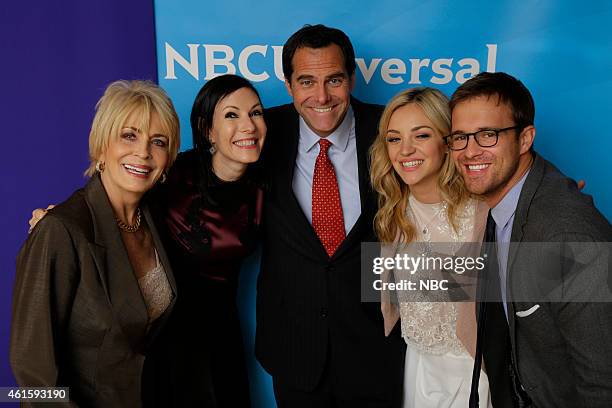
(391, 222)
(120, 100)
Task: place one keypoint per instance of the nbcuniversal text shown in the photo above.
(261, 62)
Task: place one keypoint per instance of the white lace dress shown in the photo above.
(438, 367)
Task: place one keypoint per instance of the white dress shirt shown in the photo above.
(343, 155)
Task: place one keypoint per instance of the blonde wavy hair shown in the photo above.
(120, 100)
(390, 221)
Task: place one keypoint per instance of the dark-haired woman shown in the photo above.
(211, 205)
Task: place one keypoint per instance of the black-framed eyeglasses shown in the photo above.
(484, 138)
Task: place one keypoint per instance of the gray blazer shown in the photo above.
(79, 319)
(560, 327)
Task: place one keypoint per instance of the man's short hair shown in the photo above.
(317, 36)
(508, 89)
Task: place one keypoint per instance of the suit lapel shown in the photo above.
(114, 267)
(532, 182)
(365, 131)
(98, 253)
(290, 143)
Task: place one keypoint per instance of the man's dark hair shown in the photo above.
(508, 89)
(317, 36)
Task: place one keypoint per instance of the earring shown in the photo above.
(212, 149)
(100, 166)
(163, 178)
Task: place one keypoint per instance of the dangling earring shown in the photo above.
(212, 149)
(163, 178)
(100, 166)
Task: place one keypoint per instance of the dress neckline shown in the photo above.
(424, 214)
(414, 201)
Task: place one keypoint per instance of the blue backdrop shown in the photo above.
(562, 51)
(57, 59)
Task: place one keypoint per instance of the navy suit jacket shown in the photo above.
(309, 305)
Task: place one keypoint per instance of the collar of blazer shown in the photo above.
(366, 128)
(532, 183)
(367, 117)
(113, 264)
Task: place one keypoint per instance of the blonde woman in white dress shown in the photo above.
(422, 200)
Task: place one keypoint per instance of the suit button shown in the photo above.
(323, 312)
(329, 268)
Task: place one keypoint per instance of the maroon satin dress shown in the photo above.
(209, 227)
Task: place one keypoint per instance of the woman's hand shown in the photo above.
(38, 215)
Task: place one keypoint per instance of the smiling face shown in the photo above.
(416, 150)
(135, 159)
(490, 171)
(238, 130)
(320, 87)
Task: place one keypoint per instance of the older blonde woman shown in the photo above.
(93, 284)
(210, 213)
(422, 200)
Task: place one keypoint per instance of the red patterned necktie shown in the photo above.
(327, 218)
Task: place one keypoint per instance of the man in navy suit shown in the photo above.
(321, 344)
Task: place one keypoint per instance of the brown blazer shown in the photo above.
(79, 319)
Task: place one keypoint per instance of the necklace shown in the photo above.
(127, 227)
(424, 214)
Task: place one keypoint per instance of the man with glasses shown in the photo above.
(544, 331)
